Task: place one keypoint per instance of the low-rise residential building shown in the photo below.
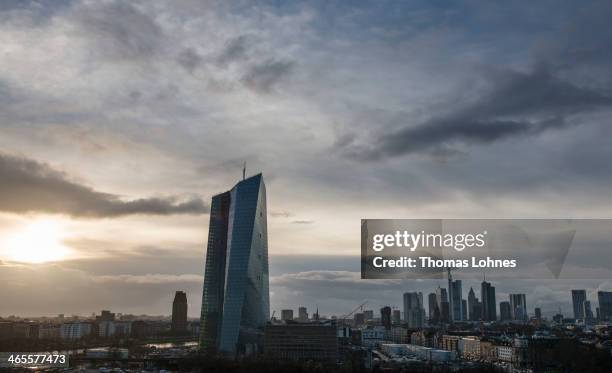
(427, 338)
(107, 329)
(420, 352)
(372, 337)
(504, 353)
(449, 342)
(75, 330)
(397, 334)
(469, 348)
(487, 351)
(49, 331)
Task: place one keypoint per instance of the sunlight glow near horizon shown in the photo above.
(38, 241)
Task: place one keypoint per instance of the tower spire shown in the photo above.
(244, 170)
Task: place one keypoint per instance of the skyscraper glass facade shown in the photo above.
(578, 298)
(235, 302)
(489, 312)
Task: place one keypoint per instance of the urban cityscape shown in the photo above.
(444, 331)
(371, 186)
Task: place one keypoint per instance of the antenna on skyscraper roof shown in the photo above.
(244, 170)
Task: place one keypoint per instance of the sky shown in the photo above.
(119, 120)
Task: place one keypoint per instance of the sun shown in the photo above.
(38, 242)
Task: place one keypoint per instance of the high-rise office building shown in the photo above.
(605, 305)
(518, 306)
(455, 295)
(578, 298)
(397, 317)
(472, 301)
(286, 315)
(302, 314)
(236, 297)
(179, 312)
(588, 312)
(434, 311)
(368, 314)
(538, 313)
(358, 319)
(443, 305)
(477, 310)
(489, 309)
(445, 312)
(414, 313)
(385, 317)
(504, 311)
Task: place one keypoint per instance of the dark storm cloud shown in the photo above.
(30, 186)
(518, 104)
(118, 29)
(264, 76)
(582, 41)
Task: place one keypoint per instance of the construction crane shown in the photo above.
(354, 310)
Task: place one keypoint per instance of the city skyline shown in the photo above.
(120, 120)
(527, 311)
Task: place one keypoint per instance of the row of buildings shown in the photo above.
(89, 329)
(516, 345)
(105, 325)
(330, 340)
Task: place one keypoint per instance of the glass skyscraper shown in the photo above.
(236, 297)
(605, 305)
(487, 293)
(578, 298)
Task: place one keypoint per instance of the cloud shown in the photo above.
(151, 278)
(189, 59)
(235, 49)
(264, 76)
(36, 187)
(118, 30)
(517, 104)
(280, 214)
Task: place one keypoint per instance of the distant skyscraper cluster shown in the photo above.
(448, 305)
(584, 311)
(235, 299)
